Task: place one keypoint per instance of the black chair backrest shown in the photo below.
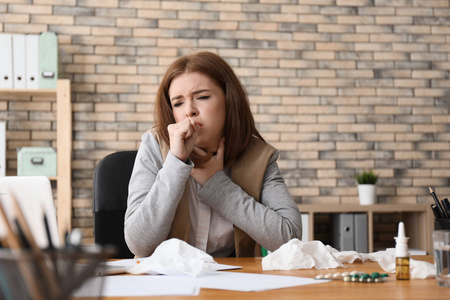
(111, 178)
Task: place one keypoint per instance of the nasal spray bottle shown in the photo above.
(401, 254)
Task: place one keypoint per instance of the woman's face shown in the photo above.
(196, 96)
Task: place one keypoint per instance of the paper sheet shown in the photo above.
(137, 286)
(125, 264)
(247, 282)
(154, 285)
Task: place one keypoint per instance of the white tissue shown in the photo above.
(296, 254)
(422, 269)
(418, 269)
(175, 257)
(346, 256)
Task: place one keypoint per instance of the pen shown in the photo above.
(436, 213)
(47, 230)
(53, 255)
(21, 234)
(446, 206)
(438, 204)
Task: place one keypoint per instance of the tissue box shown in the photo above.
(36, 161)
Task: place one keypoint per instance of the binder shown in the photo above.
(18, 54)
(305, 228)
(343, 224)
(2, 148)
(32, 61)
(6, 71)
(361, 232)
(350, 232)
(48, 60)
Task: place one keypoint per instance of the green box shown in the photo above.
(36, 161)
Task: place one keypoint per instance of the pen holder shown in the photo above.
(442, 224)
(49, 275)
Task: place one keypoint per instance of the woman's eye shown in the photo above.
(177, 104)
(203, 98)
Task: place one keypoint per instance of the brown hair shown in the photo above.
(239, 123)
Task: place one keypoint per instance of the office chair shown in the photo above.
(111, 178)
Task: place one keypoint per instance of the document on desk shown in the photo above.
(137, 286)
(248, 282)
(123, 265)
(163, 285)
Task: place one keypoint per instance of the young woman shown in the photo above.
(204, 174)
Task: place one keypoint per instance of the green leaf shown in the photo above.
(366, 177)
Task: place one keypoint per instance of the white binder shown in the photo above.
(305, 228)
(19, 61)
(2, 148)
(6, 72)
(32, 61)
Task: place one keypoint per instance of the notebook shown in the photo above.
(34, 194)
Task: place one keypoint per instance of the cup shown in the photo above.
(441, 247)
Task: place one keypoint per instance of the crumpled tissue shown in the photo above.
(296, 254)
(175, 257)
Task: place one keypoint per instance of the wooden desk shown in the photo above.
(423, 289)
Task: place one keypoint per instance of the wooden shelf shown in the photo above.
(64, 147)
(36, 92)
(418, 220)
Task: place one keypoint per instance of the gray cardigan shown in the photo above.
(156, 187)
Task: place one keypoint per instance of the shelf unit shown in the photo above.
(64, 147)
(417, 218)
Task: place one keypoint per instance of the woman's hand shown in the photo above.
(211, 167)
(182, 137)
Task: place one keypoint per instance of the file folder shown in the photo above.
(343, 232)
(6, 72)
(32, 61)
(350, 232)
(19, 61)
(2, 149)
(305, 227)
(361, 233)
(48, 60)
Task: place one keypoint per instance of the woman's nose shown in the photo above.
(192, 110)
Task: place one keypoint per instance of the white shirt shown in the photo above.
(209, 232)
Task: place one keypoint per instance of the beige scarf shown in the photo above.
(247, 172)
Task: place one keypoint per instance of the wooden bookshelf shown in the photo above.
(63, 145)
(417, 218)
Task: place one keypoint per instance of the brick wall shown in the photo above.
(337, 85)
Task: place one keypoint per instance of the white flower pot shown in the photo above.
(367, 194)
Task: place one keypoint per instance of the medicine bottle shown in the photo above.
(401, 254)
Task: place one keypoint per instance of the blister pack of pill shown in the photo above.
(355, 276)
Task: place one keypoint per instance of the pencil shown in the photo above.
(11, 238)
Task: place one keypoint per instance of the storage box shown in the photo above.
(36, 161)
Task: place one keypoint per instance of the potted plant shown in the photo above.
(366, 187)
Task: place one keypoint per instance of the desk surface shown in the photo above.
(334, 290)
